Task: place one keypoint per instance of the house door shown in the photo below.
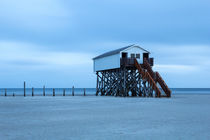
(123, 60)
(124, 55)
(146, 55)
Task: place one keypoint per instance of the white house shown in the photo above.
(112, 59)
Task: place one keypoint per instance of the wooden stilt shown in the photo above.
(5, 94)
(73, 91)
(24, 94)
(53, 92)
(43, 90)
(84, 92)
(120, 82)
(32, 91)
(97, 85)
(64, 92)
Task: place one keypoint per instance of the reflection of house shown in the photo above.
(127, 72)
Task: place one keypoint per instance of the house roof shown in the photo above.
(117, 51)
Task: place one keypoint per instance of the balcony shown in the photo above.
(127, 61)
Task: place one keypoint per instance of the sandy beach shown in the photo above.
(63, 118)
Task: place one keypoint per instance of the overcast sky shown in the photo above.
(52, 42)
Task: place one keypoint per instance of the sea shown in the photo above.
(88, 91)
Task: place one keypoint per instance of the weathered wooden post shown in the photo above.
(84, 92)
(53, 92)
(32, 91)
(97, 84)
(64, 92)
(73, 91)
(43, 90)
(24, 89)
(5, 94)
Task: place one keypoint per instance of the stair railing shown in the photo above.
(147, 76)
(163, 85)
(157, 78)
(148, 67)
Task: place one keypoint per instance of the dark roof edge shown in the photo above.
(109, 53)
(117, 51)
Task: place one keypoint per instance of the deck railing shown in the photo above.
(127, 61)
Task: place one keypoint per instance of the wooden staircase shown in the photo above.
(146, 76)
(157, 78)
(153, 78)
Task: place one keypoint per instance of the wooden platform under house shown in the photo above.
(128, 72)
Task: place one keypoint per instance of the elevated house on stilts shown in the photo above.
(128, 72)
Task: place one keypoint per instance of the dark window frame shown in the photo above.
(132, 55)
(138, 55)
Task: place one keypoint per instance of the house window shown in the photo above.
(132, 55)
(138, 55)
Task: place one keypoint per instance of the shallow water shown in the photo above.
(65, 118)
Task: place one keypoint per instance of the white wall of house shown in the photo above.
(108, 62)
(113, 61)
(134, 50)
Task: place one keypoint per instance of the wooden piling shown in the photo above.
(5, 93)
(32, 91)
(53, 92)
(73, 91)
(97, 84)
(64, 92)
(13, 94)
(43, 90)
(24, 89)
(84, 92)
